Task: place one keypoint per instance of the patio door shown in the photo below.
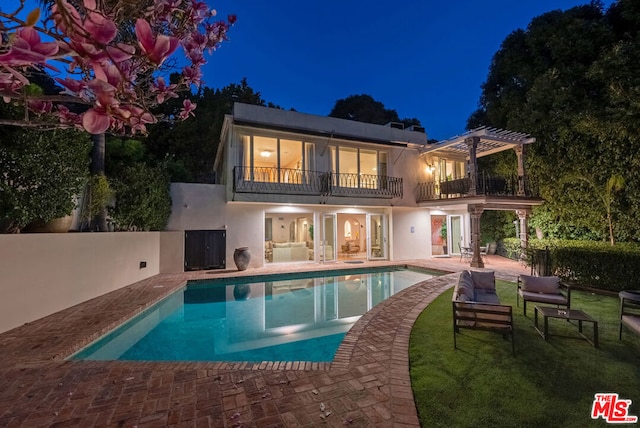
(377, 239)
(455, 236)
(328, 248)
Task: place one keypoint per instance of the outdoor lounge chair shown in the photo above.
(629, 312)
(543, 289)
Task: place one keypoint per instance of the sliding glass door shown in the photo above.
(377, 240)
(329, 238)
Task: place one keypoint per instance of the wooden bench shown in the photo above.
(476, 306)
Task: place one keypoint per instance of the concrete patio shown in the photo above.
(367, 384)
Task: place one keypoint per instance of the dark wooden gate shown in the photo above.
(205, 249)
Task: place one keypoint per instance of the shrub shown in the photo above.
(593, 264)
(512, 248)
(42, 173)
(143, 201)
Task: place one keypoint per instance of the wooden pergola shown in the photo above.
(481, 142)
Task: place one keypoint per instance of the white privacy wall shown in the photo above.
(43, 273)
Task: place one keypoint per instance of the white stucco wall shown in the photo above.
(203, 207)
(43, 273)
(410, 233)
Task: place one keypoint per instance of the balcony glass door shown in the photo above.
(377, 242)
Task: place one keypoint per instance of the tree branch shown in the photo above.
(42, 126)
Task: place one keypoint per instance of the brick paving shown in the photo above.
(367, 383)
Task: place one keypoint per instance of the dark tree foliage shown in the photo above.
(143, 199)
(42, 174)
(572, 80)
(141, 185)
(363, 108)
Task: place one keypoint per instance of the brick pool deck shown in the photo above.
(367, 384)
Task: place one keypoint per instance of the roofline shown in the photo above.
(262, 125)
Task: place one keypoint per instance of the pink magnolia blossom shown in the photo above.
(11, 82)
(96, 121)
(68, 118)
(28, 49)
(116, 80)
(74, 87)
(164, 92)
(102, 29)
(40, 107)
(157, 48)
(187, 109)
(192, 75)
(138, 118)
(94, 27)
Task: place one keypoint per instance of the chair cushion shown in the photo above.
(631, 321)
(555, 299)
(541, 284)
(465, 286)
(484, 280)
(486, 296)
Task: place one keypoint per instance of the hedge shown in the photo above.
(592, 264)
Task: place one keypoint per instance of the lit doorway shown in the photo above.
(377, 240)
(329, 234)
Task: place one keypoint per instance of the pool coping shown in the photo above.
(367, 383)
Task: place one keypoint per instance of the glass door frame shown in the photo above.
(384, 237)
(332, 239)
(455, 239)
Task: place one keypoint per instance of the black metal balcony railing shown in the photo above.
(295, 181)
(487, 185)
(365, 185)
(278, 180)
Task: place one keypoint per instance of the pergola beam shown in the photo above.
(490, 140)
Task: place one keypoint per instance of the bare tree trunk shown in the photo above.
(611, 239)
(97, 167)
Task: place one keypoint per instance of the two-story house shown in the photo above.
(295, 187)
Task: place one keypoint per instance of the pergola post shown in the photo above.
(472, 144)
(520, 155)
(523, 216)
(476, 212)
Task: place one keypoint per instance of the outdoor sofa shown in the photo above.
(476, 306)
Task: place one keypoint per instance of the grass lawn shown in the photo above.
(546, 384)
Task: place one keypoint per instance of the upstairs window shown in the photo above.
(358, 167)
(276, 160)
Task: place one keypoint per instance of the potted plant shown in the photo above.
(443, 235)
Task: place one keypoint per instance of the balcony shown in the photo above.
(365, 185)
(487, 185)
(294, 181)
(278, 180)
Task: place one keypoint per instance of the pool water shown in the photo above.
(293, 317)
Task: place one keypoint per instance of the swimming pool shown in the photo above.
(292, 317)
